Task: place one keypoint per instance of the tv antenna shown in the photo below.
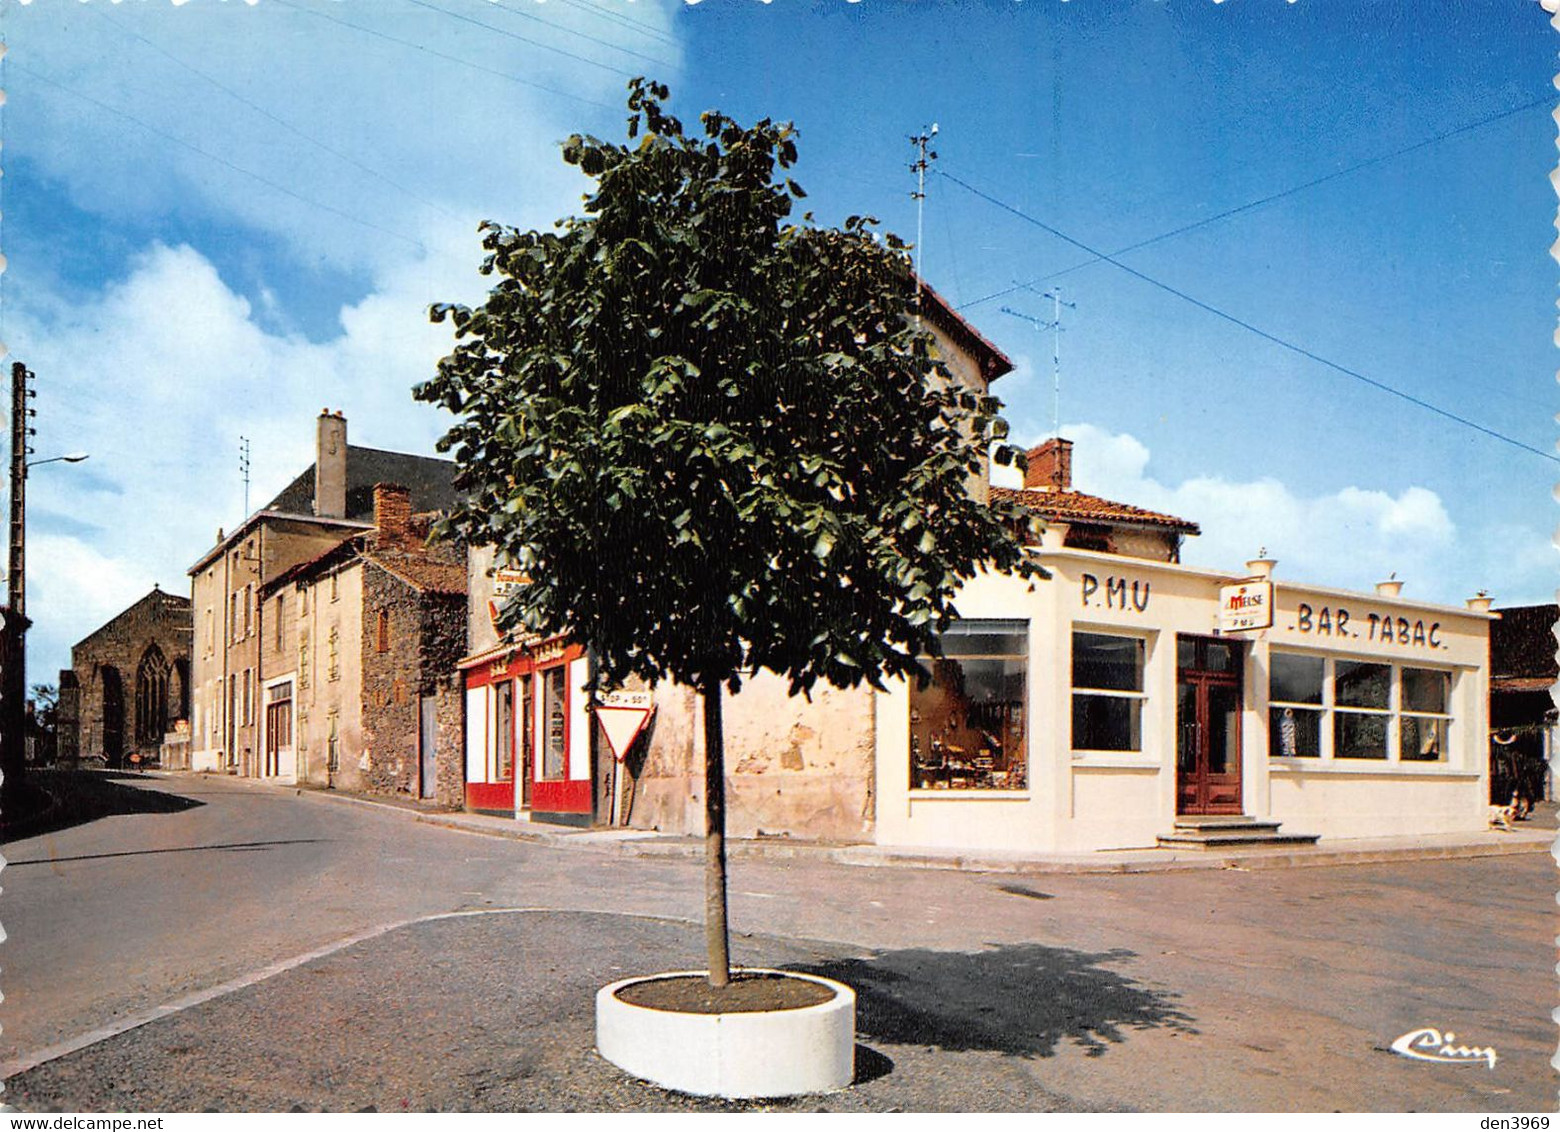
(1054, 325)
(243, 467)
(922, 142)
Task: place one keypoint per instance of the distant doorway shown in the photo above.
(1207, 718)
(113, 715)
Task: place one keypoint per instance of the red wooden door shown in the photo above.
(1208, 711)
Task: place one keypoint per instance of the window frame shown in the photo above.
(1139, 696)
(1330, 711)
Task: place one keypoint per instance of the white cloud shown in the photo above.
(158, 378)
(1352, 538)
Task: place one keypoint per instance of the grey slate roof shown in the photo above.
(429, 479)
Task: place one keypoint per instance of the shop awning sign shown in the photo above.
(623, 716)
(1245, 605)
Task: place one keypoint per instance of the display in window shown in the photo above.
(967, 725)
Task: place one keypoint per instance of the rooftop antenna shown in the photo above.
(1054, 325)
(243, 467)
(922, 141)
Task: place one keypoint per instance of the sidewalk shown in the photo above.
(1534, 836)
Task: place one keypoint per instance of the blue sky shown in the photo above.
(219, 217)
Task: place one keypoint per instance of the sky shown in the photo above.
(220, 217)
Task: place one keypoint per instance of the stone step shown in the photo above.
(1223, 840)
(1219, 831)
(1222, 822)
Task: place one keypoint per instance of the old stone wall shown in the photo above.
(793, 767)
(411, 641)
(151, 638)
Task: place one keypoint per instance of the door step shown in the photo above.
(1221, 831)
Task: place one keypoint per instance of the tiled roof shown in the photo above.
(422, 571)
(430, 480)
(1522, 642)
(1078, 507)
(992, 361)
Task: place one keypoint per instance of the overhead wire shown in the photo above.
(448, 58)
(521, 38)
(263, 112)
(623, 20)
(1235, 320)
(564, 30)
(218, 158)
(1435, 139)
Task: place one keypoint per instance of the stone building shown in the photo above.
(1523, 675)
(361, 691)
(128, 684)
(326, 504)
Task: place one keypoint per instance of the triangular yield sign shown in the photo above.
(622, 726)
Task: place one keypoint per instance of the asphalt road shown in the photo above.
(1219, 990)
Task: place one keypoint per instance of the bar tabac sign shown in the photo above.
(1245, 605)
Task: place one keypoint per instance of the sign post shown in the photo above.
(623, 716)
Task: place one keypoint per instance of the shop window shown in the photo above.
(1426, 702)
(1378, 711)
(504, 731)
(555, 723)
(1295, 690)
(1362, 694)
(1107, 702)
(967, 725)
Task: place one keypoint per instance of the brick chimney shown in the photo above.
(1049, 466)
(330, 466)
(393, 516)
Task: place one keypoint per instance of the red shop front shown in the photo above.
(526, 723)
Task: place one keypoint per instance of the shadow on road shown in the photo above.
(58, 799)
(1020, 999)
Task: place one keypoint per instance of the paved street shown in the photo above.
(1216, 989)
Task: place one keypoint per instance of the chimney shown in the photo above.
(330, 466)
(1049, 466)
(393, 515)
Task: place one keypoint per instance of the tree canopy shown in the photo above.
(716, 439)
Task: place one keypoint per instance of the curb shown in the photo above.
(645, 843)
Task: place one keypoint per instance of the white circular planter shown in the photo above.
(772, 1053)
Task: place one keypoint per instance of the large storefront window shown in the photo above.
(1374, 709)
(967, 726)
(1107, 702)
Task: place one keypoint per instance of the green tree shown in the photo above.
(716, 440)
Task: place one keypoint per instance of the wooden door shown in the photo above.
(1208, 711)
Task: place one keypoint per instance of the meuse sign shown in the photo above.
(1245, 605)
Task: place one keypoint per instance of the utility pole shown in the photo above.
(919, 166)
(1054, 325)
(13, 675)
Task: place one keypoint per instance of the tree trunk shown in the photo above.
(716, 941)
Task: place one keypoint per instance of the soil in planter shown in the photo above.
(745, 994)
